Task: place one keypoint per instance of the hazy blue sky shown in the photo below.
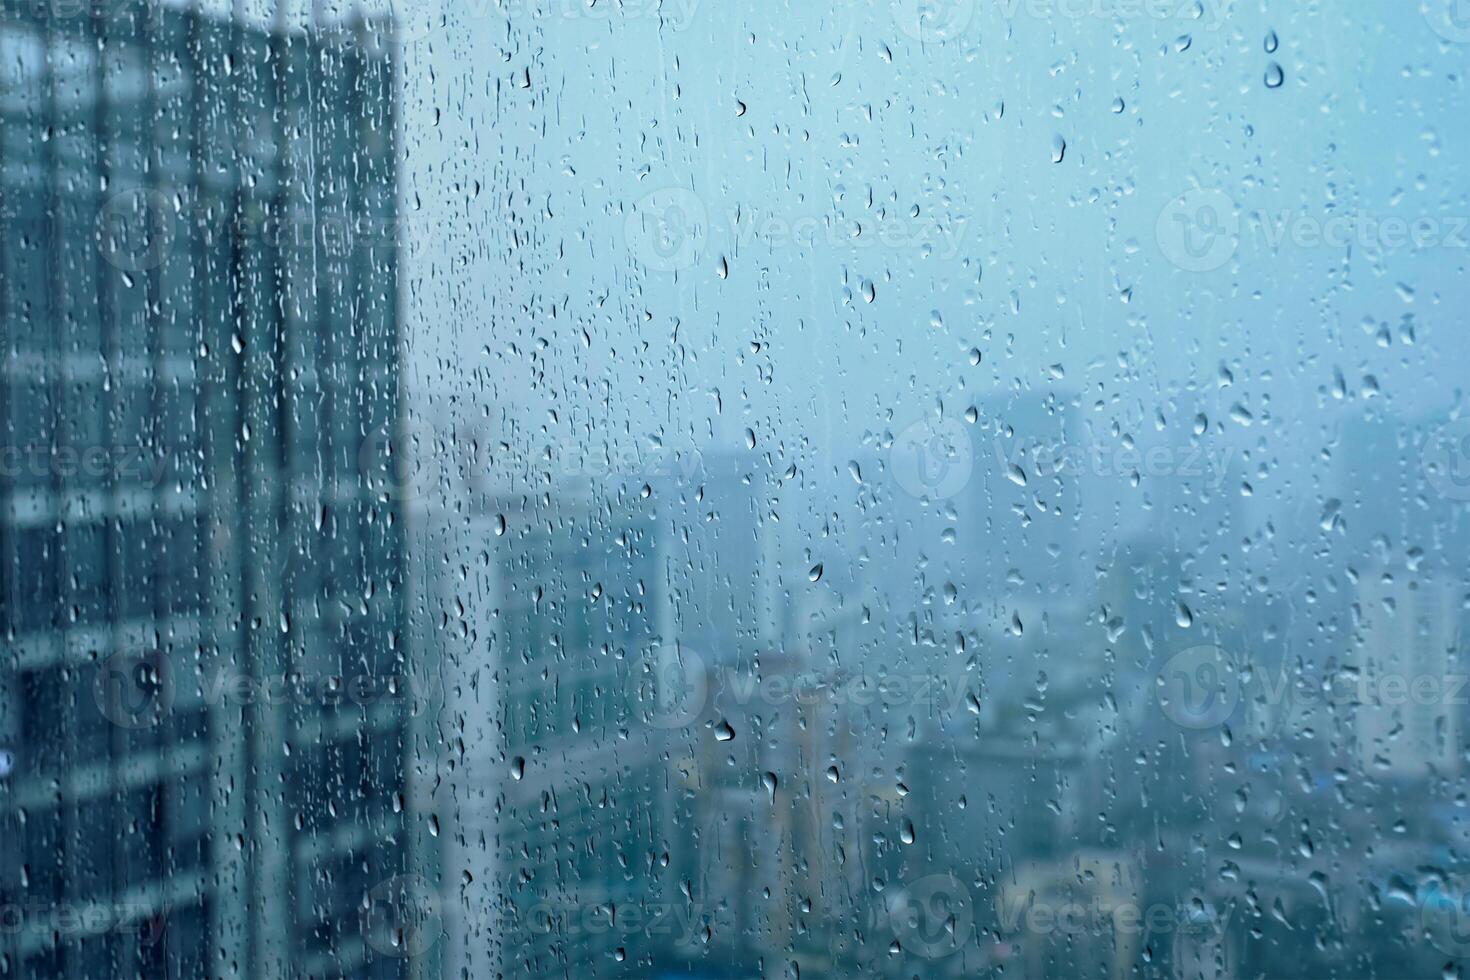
(534, 131)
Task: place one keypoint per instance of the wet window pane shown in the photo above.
(930, 488)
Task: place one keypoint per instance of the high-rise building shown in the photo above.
(575, 588)
(204, 686)
(1404, 666)
(1407, 676)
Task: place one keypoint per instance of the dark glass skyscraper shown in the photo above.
(204, 686)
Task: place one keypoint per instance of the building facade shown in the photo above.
(205, 691)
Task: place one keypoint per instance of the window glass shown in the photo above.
(662, 488)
